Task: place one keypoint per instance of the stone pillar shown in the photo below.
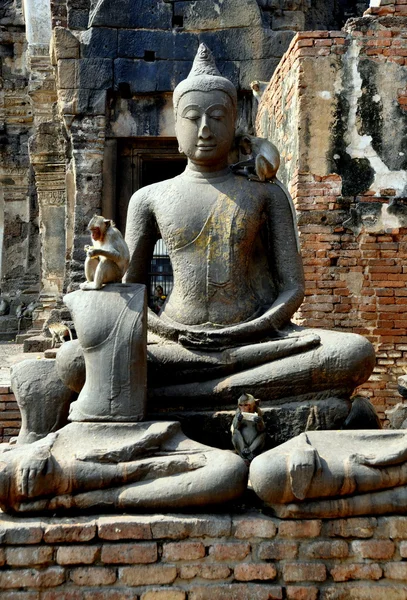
(47, 154)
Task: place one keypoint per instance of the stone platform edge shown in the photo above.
(248, 556)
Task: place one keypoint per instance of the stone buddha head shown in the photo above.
(205, 113)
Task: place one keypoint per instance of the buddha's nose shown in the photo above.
(204, 129)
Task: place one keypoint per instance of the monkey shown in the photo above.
(362, 415)
(264, 162)
(57, 327)
(248, 428)
(4, 306)
(107, 260)
(258, 88)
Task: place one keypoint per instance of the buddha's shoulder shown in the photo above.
(272, 190)
(150, 193)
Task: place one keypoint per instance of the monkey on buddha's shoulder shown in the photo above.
(108, 258)
(248, 428)
(264, 160)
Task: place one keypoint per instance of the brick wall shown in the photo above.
(10, 417)
(206, 557)
(355, 267)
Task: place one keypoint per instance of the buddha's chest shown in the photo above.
(210, 217)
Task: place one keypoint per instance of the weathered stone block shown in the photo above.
(146, 14)
(129, 553)
(261, 69)
(99, 42)
(293, 20)
(86, 73)
(206, 15)
(140, 76)
(65, 44)
(82, 101)
(134, 43)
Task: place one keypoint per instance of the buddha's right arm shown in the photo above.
(141, 236)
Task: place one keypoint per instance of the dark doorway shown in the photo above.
(141, 162)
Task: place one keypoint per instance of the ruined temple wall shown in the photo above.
(19, 240)
(202, 557)
(348, 179)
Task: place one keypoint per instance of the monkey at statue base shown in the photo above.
(107, 260)
(248, 428)
(264, 162)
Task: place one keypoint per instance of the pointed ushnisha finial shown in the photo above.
(204, 63)
(204, 76)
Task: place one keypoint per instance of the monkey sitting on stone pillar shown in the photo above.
(107, 260)
(248, 428)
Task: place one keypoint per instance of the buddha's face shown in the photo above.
(205, 126)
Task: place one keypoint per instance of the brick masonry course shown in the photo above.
(199, 557)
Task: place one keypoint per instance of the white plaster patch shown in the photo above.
(354, 281)
(337, 156)
(375, 3)
(325, 95)
(376, 98)
(360, 146)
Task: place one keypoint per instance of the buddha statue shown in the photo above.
(225, 328)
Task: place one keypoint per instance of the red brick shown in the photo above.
(235, 591)
(168, 594)
(141, 553)
(375, 549)
(300, 529)
(171, 527)
(336, 549)
(358, 527)
(396, 570)
(304, 572)
(31, 578)
(93, 576)
(253, 572)
(301, 593)
(20, 595)
(25, 532)
(397, 527)
(356, 571)
(209, 571)
(59, 594)
(26, 557)
(183, 551)
(229, 551)
(277, 550)
(70, 530)
(124, 527)
(109, 594)
(254, 526)
(147, 575)
(75, 555)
